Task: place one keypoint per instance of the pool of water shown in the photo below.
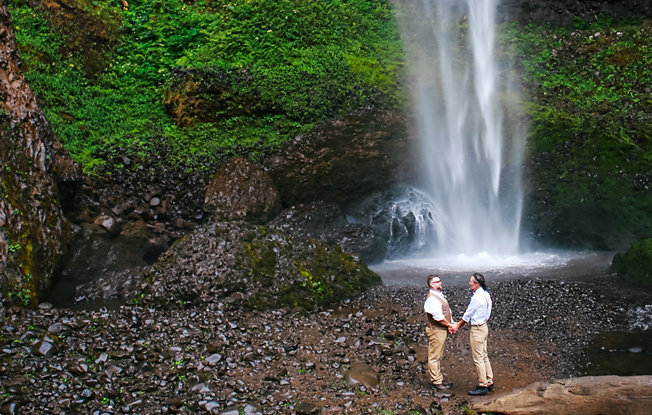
(455, 270)
(623, 353)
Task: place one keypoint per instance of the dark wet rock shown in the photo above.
(312, 219)
(393, 214)
(344, 159)
(327, 223)
(358, 239)
(242, 190)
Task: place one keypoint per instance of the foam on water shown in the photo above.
(457, 268)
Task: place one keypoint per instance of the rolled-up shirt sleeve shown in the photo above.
(479, 309)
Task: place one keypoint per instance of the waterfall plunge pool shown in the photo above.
(455, 270)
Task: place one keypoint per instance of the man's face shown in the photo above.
(436, 284)
(473, 284)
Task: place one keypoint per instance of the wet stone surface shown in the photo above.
(223, 360)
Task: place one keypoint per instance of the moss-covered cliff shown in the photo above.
(268, 71)
(589, 158)
(265, 71)
(33, 229)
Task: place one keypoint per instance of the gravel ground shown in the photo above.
(365, 356)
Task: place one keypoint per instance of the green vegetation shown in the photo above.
(589, 149)
(321, 276)
(636, 264)
(103, 91)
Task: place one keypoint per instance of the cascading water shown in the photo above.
(471, 158)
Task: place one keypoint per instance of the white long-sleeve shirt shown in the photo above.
(479, 309)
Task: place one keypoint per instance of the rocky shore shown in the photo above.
(366, 355)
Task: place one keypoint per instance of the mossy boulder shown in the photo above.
(636, 263)
(239, 264)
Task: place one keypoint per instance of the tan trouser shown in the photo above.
(478, 340)
(436, 339)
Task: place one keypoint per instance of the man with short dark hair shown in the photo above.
(439, 323)
(477, 314)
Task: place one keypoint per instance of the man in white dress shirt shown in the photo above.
(439, 323)
(477, 314)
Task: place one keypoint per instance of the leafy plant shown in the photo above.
(308, 59)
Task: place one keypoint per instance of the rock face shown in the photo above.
(33, 230)
(565, 12)
(327, 223)
(241, 190)
(344, 159)
(577, 396)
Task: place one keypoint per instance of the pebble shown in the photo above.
(220, 359)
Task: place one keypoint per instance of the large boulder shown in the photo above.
(33, 229)
(626, 395)
(242, 190)
(344, 159)
(253, 266)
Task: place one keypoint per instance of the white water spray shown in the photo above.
(471, 159)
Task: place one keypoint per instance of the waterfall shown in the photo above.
(470, 147)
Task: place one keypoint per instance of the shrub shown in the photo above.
(636, 263)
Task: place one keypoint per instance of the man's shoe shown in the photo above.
(490, 388)
(480, 391)
(442, 386)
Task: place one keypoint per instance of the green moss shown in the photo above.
(103, 91)
(588, 154)
(636, 263)
(286, 273)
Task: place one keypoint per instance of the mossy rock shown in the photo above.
(243, 265)
(636, 263)
(305, 274)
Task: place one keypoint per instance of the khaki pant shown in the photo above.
(436, 339)
(478, 340)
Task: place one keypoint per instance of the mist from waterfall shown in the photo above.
(471, 147)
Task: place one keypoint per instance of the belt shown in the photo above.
(478, 325)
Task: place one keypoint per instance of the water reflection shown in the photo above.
(623, 353)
